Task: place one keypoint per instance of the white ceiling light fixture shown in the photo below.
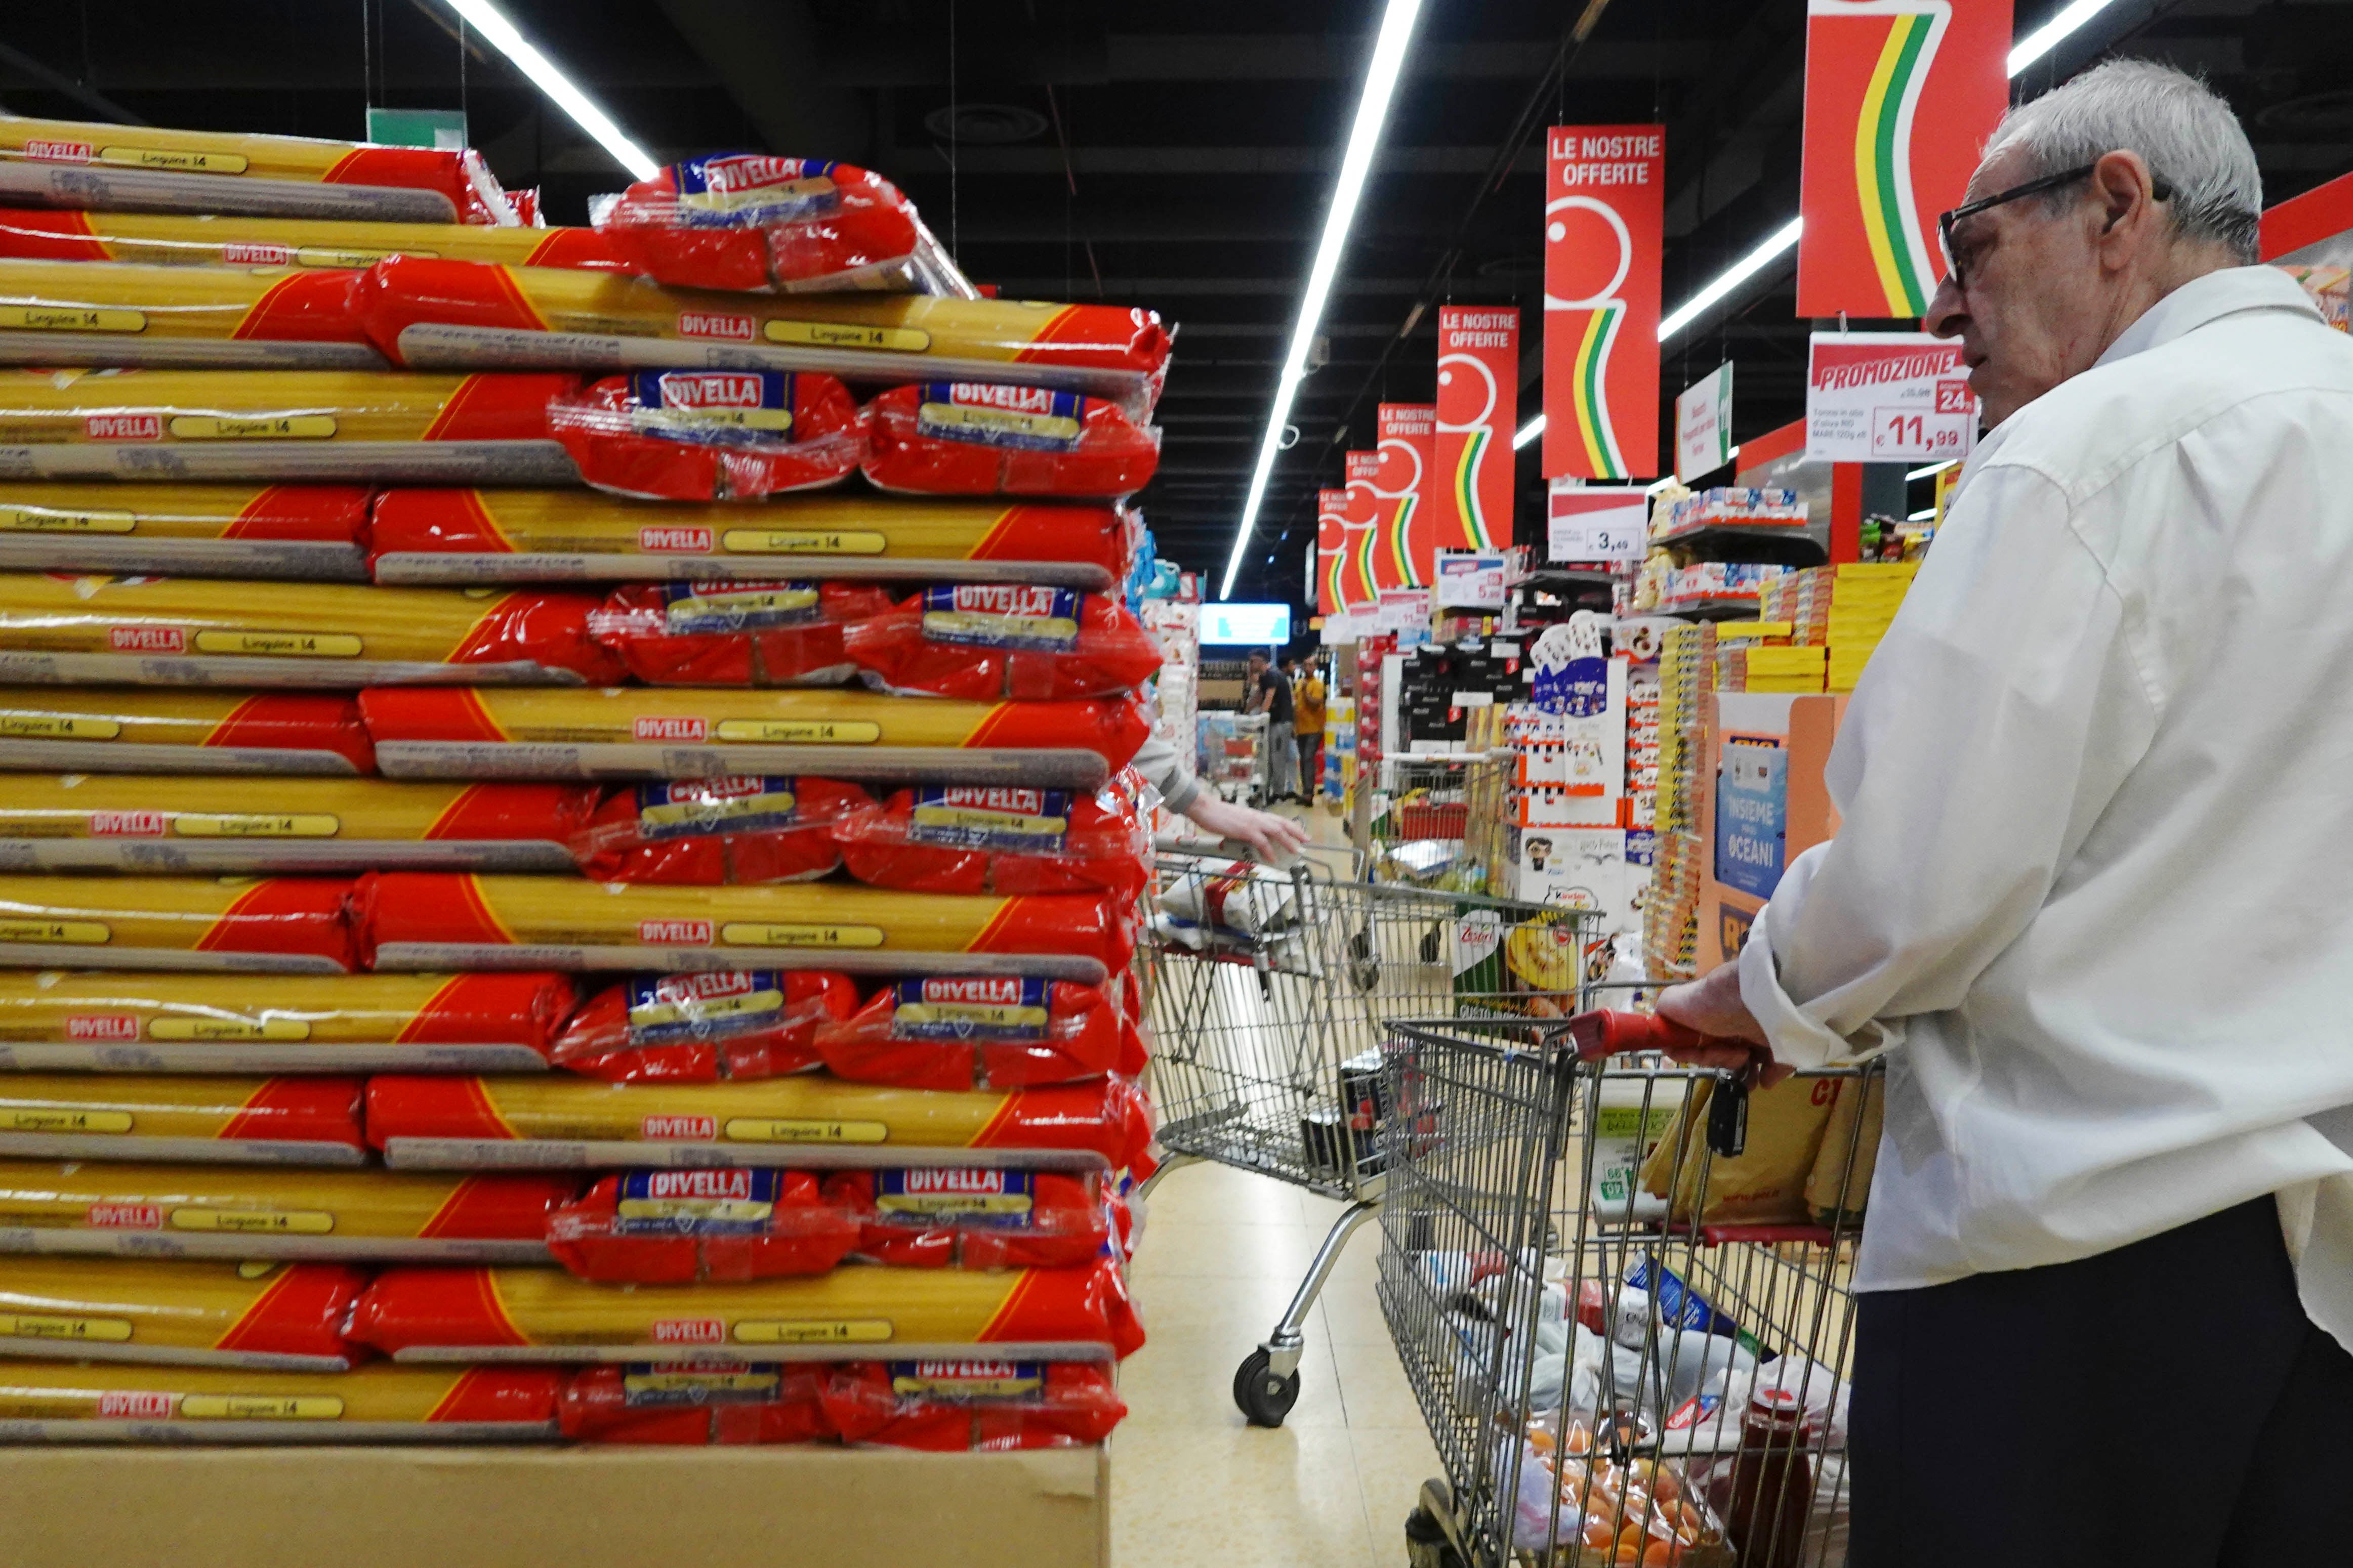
(1931, 469)
(501, 35)
(2047, 37)
(1355, 165)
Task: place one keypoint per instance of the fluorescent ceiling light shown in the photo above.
(2047, 37)
(1922, 516)
(1931, 469)
(491, 22)
(1528, 432)
(1372, 114)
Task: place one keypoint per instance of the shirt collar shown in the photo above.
(2209, 299)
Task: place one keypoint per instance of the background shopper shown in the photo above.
(1270, 694)
(1307, 719)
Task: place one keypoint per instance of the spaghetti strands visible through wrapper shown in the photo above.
(208, 239)
(47, 1402)
(282, 924)
(286, 1315)
(156, 730)
(299, 532)
(114, 1116)
(221, 318)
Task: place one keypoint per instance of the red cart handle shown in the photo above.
(1613, 1034)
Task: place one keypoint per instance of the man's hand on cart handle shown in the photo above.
(1730, 1039)
(1278, 838)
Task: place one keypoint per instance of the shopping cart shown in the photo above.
(1628, 1347)
(1233, 754)
(1266, 992)
(1439, 821)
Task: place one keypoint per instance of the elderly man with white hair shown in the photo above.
(2093, 889)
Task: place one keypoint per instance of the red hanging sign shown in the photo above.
(1360, 533)
(1478, 413)
(1331, 506)
(1408, 434)
(1604, 223)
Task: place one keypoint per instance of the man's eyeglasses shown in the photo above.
(2159, 187)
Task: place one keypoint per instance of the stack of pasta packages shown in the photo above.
(569, 868)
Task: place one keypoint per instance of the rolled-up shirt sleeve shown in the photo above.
(1997, 718)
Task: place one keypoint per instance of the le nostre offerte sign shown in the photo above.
(1477, 410)
(1887, 397)
(1605, 219)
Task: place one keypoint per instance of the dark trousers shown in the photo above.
(2166, 1405)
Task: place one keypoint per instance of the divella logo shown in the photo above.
(147, 639)
(718, 325)
(124, 427)
(648, 728)
(689, 1332)
(674, 542)
(679, 1129)
(674, 933)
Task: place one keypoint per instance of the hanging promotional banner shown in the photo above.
(1408, 433)
(1605, 221)
(1596, 523)
(1900, 94)
(1887, 397)
(1360, 532)
(1477, 410)
(1703, 425)
(1331, 510)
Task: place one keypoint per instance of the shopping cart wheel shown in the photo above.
(1261, 1395)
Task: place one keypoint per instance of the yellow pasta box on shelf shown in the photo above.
(184, 731)
(299, 532)
(48, 1402)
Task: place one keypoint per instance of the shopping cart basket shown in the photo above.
(1620, 1289)
(1266, 992)
(1439, 821)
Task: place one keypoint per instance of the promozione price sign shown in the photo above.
(1887, 397)
(1606, 524)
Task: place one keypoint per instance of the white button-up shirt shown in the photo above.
(2093, 886)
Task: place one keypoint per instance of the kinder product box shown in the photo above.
(413, 921)
(640, 732)
(554, 536)
(158, 731)
(295, 425)
(52, 1022)
(292, 531)
(222, 1211)
(286, 1317)
(240, 1120)
(98, 822)
(48, 1403)
(140, 168)
(223, 239)
(463, 314)
(284, 924)
(217, 318)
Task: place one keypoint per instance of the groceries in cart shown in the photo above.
(1236, 907)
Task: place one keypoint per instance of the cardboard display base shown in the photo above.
(581, 1507)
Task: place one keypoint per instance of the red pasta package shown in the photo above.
(752, 223)
(996, 838)
(969, 1218)
(981, 1033)
(678, 1228)
(696, 1403)
(984, 642)
(708, 832)
(736, 634)
(981, 438)
(711, 434)
(953, 1405)
(704, 1027)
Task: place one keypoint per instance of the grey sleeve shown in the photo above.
(1162, 768)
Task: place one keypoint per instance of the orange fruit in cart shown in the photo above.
(1542, 1441)
(1598, 1535)
(1662, 1554)
(1632, 1543)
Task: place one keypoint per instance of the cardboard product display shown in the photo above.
(947, 1406)
(288, 1317)
(980, 438)
(425, 921)
(940, 1218)
(747, 222)
(44, 1402)
(105, 1208)
(318, 426)
(45, 729)
(532, 536)
(736, 634)
(728, 1404)
(217, 318)
(308, 1121)
(169, 631)
(985, 642)
(140, 168)
(721, 830)
(292, 925)
(222, 239)
(636, 733)
(980, 1033)
(104, 1021)
(534, 1314)
(807, 1120)
(974, 838)
(105, 822)
(315, 533)
(704, 1027)
(711, 434)
(428, 314)
(676, 1228)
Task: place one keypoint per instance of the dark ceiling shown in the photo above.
(1178, 157)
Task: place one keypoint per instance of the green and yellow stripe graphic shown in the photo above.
(1401, 545)
(1591, 398)
(1466, 490)
(1367, 568)
(1882, 163)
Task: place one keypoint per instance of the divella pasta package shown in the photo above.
(217, 318)
(980, 438)
(702, 1026)
(288, 1317)
(988, 642)
(48, 729)
(557, 536)
(224, 1211)
(992, 1407)
(102, 1022)
(140, 168)
(426, 920)
(980, 1032)
(541, 1314)
(997, 838)
(711, 434)
(107, 822)
(293, 925)
(747, 222)
(708, 832)
(639, 732)
(47, 1402)
(293, 426)
(171, 631)
(317, 532)
(736, 634)
(698, 1404)
(242, 1120)
(974, 1217)
(676, 1228)
(223, 239)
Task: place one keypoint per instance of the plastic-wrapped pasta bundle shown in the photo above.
(286, 1316)
(712, 832)
(221, 239)
(987, 642)
(221, 318)
(184, 731)
(244, 1121)
(705, 1027)
(969, 839)
(700, 1404)
(736, 634)
(49, 1401)
(749, 222)
(711, 434)
(981, 438)
(983, 1405)
(299, 532)
(963, 1217)
(530, 536)
(283, 924)
(675, 1228)
(981, 1033)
